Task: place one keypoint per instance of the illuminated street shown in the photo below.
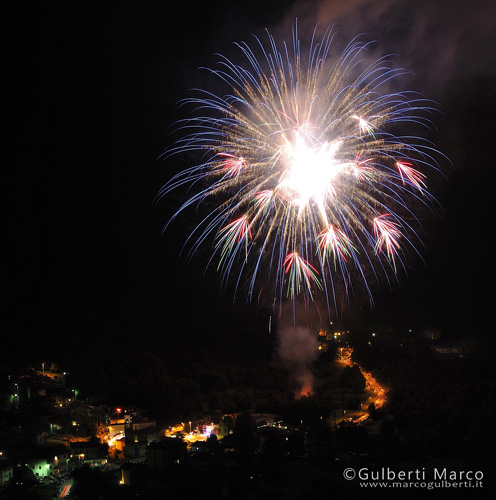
(66, 488)
(371, 385)
(190, 434)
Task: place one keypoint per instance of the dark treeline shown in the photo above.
(438, 405)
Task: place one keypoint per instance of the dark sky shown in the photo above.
(91, 95)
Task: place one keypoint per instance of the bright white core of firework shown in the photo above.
(310, 170)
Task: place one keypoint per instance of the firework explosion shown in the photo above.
(312, 184)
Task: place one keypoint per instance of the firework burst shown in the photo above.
(312, 182)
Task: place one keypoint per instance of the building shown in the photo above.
(133, 474)
(138, 439)
(119, 421)
(6, 472)
(166, 453)
(62, 398)
(282, 442)
(91, 450)
(45, 462)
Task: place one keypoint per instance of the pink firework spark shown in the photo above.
(233, 234)
(263, 198)
(365, 126)
(233, 164)
(360, 169)
(299, 269)
(388, 234)
(414, 176)
(334, 241)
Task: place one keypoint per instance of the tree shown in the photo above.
(226, 425)
(244, 435)
(352, 378)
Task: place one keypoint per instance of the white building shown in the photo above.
(50, 464)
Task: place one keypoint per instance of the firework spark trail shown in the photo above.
(387, 235)
(314, 186)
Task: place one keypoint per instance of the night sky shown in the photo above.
(92, 92)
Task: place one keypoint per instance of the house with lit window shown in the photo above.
(166, 453)
(86, 450)
(45, 462)
(137, 439)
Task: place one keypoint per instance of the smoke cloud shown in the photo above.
(298, 349)
(439, 41)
